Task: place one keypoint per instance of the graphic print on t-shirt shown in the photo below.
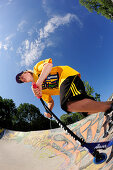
(51, 82)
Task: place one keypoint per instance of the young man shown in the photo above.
(63, 81)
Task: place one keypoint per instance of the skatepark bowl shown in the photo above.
(55, 149)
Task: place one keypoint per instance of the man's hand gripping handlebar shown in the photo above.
(46, 114)
(35, 87)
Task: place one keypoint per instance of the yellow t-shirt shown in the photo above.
(51, 85)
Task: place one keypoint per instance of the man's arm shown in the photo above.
(50, 106)
(45, 72)
(38, 91)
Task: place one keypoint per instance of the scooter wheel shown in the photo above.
(103, 157)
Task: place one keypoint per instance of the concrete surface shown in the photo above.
(54, 149)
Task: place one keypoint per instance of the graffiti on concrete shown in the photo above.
(56, 143)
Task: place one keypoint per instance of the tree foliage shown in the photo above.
(102, 7)
(88, 88)
(71, 118)
(97, 97)
(26, 117)
(90, 91)
(7, 110)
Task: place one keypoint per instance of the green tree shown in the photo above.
(7, 111)
(88, 88)
(28, 112)
(30, 118)
(66, 118)
(26, 117)
(54, 124)
(97, 97)
(7, 108)
(71, 118)
(90, 91)
(103, 7)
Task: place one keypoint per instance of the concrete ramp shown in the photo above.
(54, 149)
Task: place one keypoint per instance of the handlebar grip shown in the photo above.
(35, 86)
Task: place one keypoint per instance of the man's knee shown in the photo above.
(72, 106)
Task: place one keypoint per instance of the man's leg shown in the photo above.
(88, 105)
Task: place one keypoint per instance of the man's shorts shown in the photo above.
(72, 89)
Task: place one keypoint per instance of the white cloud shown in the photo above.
(3, 46)
(21, 25)
(36, 49)
(7, 43)
(55, 22)
(31, 51)
(27, 44)
(9, 37)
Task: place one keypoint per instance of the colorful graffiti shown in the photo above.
(57, 145)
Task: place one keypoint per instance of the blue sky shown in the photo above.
(33, 30)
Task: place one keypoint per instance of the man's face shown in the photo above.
(26, 77)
